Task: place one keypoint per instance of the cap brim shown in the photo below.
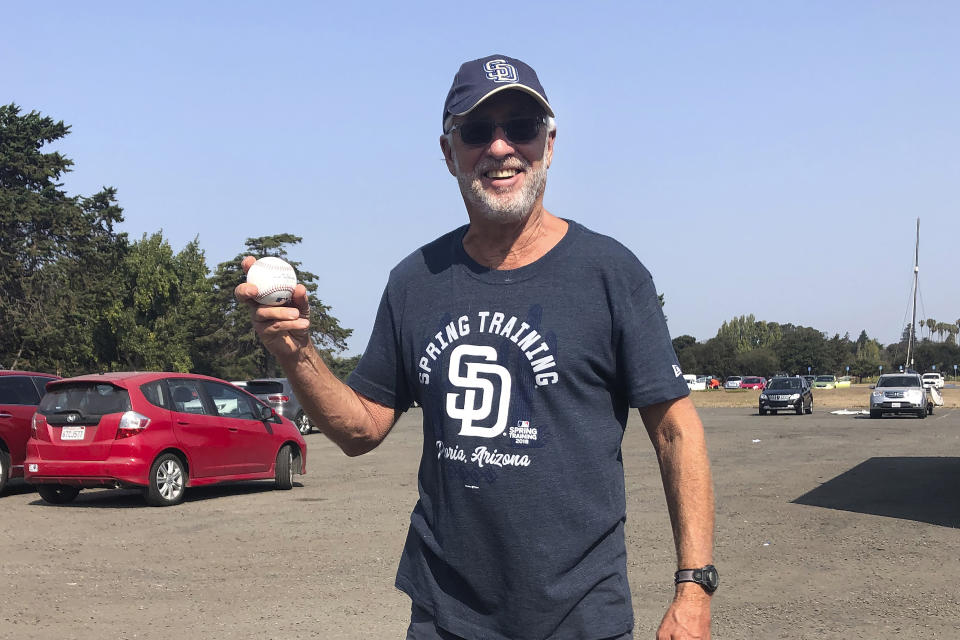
(511, 87)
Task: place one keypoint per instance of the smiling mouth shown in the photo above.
(500, 174)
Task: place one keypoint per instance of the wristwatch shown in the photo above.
(707, 577)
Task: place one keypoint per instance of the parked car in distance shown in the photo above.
(825, 382)
(160, 432)
(786, 394)
(753, 382)
(278, 393)
(900, 393)
(694, 383)
(20, 393)
(933, 379)
(844, 382)
(732, 382)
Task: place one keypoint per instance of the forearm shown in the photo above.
(348, 419)
(678, 438)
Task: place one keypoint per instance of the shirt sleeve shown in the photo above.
(380, 375)
(647, 365)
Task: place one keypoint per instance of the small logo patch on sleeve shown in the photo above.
(676, 371)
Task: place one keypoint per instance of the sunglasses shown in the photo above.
(518, 130)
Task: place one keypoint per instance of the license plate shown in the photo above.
(72, 433)
(895, 405)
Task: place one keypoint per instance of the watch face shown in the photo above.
(711, 578)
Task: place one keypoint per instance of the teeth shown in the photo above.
(502, 173)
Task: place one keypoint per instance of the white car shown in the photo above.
(695, 383)
(933, 380)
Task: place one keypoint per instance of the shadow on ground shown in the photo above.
(126, 498)
(920, 489)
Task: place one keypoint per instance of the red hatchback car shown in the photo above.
(753, 382)
(20, 393)
(162, 432)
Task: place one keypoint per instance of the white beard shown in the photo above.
(503, 205)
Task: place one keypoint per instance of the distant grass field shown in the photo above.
(856, 397)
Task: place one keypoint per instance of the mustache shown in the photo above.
(511, 162)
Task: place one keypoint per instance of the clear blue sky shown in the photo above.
(759, 157)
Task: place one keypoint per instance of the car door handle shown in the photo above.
(6, 415)
(183, 422)
(233, 429)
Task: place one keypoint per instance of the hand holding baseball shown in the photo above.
(284, 327)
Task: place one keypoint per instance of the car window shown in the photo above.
(264, 387)
(154, 393)
(186, 396)
(784, 384)
(898, 381)
(230, 402)
(18, 390)
(41, 383)
(89, 399)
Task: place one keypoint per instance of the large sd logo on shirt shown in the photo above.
(472, 383)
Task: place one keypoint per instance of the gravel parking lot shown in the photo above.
(827, 527)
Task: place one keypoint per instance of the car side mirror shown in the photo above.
(266, 413)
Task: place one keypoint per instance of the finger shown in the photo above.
(300, 300)
(247, 262)
(246, 292)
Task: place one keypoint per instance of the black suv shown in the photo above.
(787, 394)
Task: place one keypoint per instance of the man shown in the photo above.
(525, 338)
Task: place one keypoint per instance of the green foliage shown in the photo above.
(55, 250)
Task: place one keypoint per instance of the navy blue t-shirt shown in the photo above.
(525, 378)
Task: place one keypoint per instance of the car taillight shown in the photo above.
(278, 399)
(131, 423)
(38, 421)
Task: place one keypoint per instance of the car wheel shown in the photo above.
(284, 468)
(4, 469)
(57, 493)
(809, 408)
(773, 412)
(875, 414)
(922, 413)
(167, 481)
(303, 423)
(763, 411)
(799, 408)
(930, 409)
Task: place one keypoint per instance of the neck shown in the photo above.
(511, 245)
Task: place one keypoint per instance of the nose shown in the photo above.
(500, 147)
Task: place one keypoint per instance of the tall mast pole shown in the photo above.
(913, 322)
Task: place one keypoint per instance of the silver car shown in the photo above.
(900, 393)
(278, 393)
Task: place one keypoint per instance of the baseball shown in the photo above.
(275, 280)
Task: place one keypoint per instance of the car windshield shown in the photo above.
(787, 383)
(85, 398)
(263, 387)
(824, 378)
(932, 376)
(732, 378)
(899, 381)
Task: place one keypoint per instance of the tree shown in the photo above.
(59, 252)
(232, 349)
(164, 309)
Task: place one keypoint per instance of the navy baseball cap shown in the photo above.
(479, 79)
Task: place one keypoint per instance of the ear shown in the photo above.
(448, 155)
(548, 151)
